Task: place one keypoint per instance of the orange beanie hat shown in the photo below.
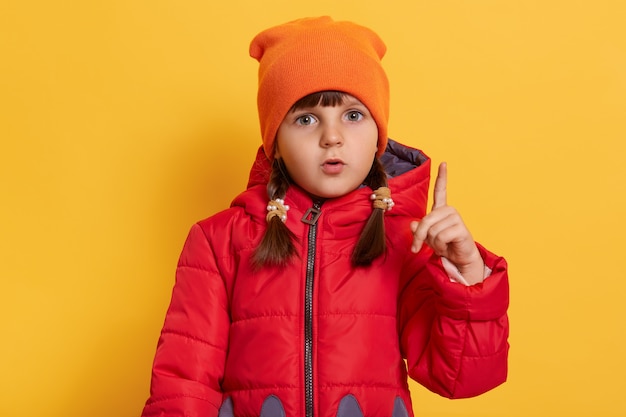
(318, 54)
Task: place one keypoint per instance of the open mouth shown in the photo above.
(333, 166)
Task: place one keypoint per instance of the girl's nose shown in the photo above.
(331, 136)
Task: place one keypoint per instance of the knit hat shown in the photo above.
(311, 55)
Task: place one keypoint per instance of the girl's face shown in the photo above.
(328, 150)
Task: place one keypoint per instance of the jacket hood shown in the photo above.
(408, 170)
(397, 160)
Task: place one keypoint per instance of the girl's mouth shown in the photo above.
(332, 166)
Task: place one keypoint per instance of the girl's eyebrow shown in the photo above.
(353, 101)
(302, 109)
(347, 102)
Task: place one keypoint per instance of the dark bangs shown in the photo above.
(322, 98)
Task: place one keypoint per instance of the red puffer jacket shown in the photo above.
(319, 337)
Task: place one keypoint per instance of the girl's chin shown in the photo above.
(327, 194)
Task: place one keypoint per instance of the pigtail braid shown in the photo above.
(277, 245)
(372, 242)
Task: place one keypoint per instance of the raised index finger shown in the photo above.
(440, 194)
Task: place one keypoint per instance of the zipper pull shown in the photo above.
(311, 215)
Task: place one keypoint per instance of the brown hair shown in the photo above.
(277, 246)
(372, 242)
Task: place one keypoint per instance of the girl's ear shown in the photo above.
(276, 153)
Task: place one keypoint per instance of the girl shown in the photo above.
(310, 304)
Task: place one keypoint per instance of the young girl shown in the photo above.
(309, 304)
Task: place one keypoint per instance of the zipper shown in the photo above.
(310, 217)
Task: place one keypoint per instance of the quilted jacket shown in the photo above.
(319, 338)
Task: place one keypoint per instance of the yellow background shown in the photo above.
(123, 122)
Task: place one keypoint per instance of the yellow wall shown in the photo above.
(124, 121)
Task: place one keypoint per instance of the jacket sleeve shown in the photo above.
(454, 337)
(189, 362)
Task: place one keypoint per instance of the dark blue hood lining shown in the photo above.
(399, 159)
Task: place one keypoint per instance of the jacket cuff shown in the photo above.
(487, 300)
(455, 275)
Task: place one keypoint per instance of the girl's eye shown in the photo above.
(354, 116)
(305, 120)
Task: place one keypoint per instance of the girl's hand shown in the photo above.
(444, 231)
